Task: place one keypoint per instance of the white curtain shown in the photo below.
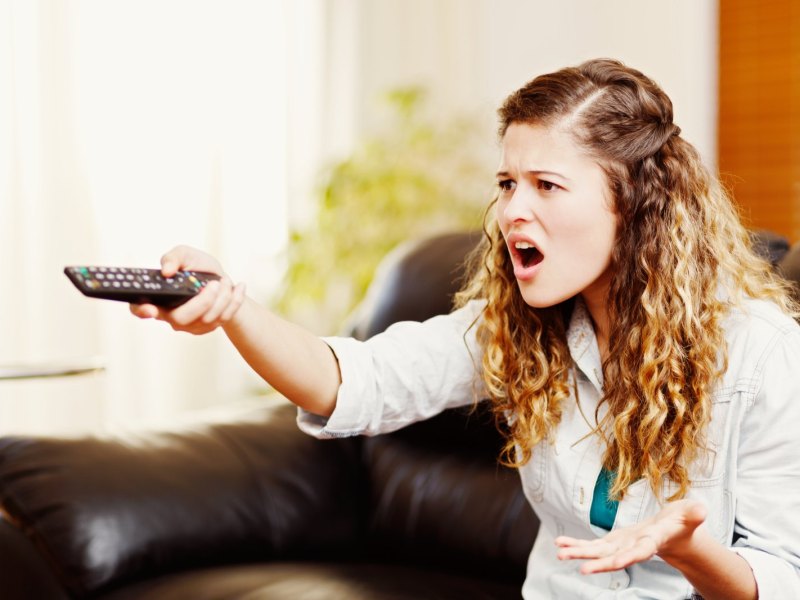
(127, 127)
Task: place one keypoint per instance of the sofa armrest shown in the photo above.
(24, 572)
(104, 511)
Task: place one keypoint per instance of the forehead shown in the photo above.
(533, 147)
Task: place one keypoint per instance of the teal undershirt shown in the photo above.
(603, 510)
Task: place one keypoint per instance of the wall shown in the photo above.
(472, 53)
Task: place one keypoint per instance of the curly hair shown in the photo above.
(680, 262)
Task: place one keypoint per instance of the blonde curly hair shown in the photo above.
(682, 259)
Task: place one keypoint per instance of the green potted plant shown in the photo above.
(418, 178)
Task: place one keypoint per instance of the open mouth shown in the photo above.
(529, 254)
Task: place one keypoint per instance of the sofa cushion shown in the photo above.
(315, 581)
(106, 511)
(439, 497)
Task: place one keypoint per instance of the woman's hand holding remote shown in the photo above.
(214, 306)
(295, 362)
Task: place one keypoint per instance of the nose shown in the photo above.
(519, 207)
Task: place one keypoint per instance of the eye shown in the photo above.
(548, 186)
(507, 185)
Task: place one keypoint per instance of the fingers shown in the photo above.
(215, 305)
(586, 549)
(195, 309)
(144, 311)
(563, 541)
(222, 301)
(606, 555)
(643, 549)
(236, 302)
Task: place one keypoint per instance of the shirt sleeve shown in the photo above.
(410, 372)
(768, 474)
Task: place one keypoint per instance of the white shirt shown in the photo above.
(750, 482)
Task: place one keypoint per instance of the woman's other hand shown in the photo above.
(215, 305)
(664, 534)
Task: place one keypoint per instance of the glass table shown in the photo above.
(42, 370)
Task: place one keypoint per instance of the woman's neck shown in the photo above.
(597, 306)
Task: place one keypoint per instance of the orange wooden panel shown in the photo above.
(759, 110)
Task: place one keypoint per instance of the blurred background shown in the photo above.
(298, 141)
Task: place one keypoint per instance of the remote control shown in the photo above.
(138, 286)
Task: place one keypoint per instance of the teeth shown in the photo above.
(523, 246)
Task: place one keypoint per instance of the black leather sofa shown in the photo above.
(248, 507)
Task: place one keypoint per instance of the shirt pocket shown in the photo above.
(718, 501)
(711, 492)
(714, 461)
(709, 473)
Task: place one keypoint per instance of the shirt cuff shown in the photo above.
(349, 417)
(775, 578)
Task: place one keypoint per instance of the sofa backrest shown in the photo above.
(415, 281)
(789, 267)
(437, 493)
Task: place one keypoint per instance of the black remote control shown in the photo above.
(138, 286)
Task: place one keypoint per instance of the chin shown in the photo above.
(539, 300)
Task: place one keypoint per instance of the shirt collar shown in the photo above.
(582, 344)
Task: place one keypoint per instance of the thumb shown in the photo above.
(172, 261)
(695, 513)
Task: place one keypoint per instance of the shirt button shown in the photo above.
(615, 585)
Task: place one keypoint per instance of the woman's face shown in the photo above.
(555, 212)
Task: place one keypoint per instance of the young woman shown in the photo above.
(641, 358)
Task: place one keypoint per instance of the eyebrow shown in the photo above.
(506, 174)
